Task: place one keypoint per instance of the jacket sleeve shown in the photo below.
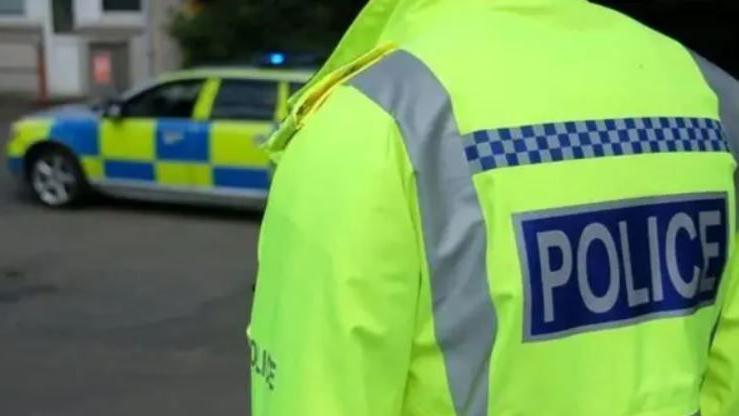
(339, 269)
(720, 393)
(720, 390)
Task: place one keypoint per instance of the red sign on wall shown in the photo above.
(102, 68)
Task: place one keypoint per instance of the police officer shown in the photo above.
(502, 207)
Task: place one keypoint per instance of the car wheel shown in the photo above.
(56, 179)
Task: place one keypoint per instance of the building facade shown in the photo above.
(61, 49)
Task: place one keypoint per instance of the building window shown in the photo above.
(122, 5)
(63, 16)
(12, 7)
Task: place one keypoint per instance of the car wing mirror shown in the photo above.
(113, 109)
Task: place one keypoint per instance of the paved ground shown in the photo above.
(122, 308)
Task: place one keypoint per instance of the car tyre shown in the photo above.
(56, 179)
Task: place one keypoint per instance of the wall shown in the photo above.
(151, 50)
(140, 60)
(94, 26)
(18, 73)
(34, 15)
(36, 10)
(65, 70)
(165, 53)
(90, 13)
(20, 41)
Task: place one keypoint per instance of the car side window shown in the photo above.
(295, 87)
(245, 100)
(170, 100)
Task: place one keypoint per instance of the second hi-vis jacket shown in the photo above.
(504, 208)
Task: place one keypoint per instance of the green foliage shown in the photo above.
(230, 31)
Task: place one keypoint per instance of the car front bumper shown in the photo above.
(14, 153)
(15, 165)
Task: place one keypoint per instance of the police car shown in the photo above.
(192, 136)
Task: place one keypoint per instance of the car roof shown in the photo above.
(291, 75)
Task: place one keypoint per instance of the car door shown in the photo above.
(156, 142)
(244, 113)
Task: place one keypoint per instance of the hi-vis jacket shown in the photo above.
(505, 208)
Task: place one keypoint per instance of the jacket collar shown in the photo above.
(384, 22)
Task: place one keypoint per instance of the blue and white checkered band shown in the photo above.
(556, 142)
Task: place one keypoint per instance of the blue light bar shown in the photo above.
(276, 58)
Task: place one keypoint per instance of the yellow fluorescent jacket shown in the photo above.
(506, 208)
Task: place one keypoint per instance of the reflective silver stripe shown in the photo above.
(727, 89)
(453, 228)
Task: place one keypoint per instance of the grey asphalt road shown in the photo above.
(122, 308)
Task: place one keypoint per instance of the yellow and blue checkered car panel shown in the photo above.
(196, 154)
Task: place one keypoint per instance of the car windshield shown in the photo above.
(99, 104)
(132, 92)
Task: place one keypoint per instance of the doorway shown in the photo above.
(109, 67)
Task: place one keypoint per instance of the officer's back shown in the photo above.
(517, 208)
